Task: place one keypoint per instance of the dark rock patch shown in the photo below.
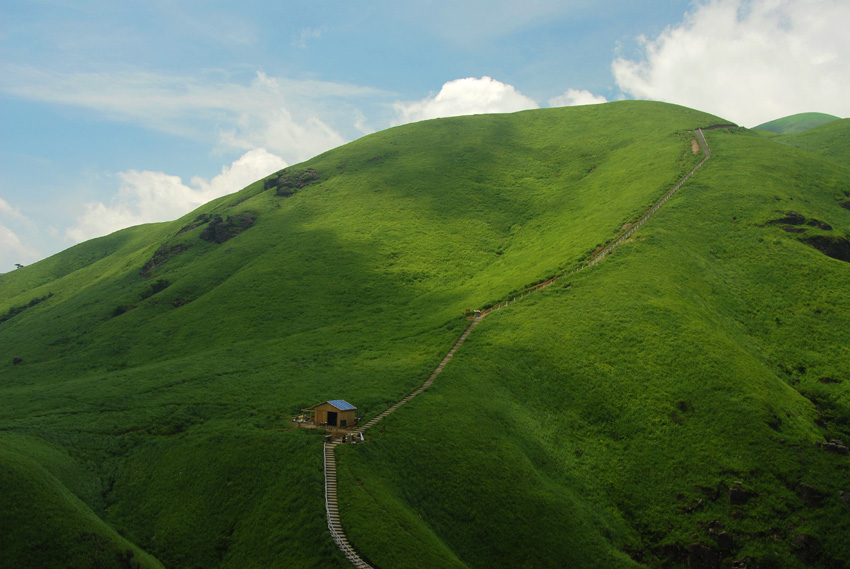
(725, 541)
(775, 423)
(845, 498)
(829, 380)
(811, 496)
(701, 556)
(159, 286)
(160, 257)
(806, 548)
(199, 221)
(837, 446)
(791, 218)
(739, 496)
(121, 309)
(835, 247)
(790, 229)
(219, 230)
(845, 205)
(16, 361)
(289, 182)
(819, 224)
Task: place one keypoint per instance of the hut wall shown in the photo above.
(343, 418)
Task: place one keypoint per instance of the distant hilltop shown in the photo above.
(797, 123)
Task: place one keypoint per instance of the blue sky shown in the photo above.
(118, 113)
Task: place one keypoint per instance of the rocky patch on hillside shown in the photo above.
(219, 230)
(160, 257)
(288, 182)
(831, 246)
(835, 247)
(199, 221)
(793, 220)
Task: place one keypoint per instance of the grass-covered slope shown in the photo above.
(673, 406)
(164, 360)
(793, 124)
(831, 140)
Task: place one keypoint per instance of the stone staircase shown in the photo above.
(332, 510)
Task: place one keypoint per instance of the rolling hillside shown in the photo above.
(831, 140)
(795, 124)
(687, 387)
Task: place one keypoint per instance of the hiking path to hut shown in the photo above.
(331, 497)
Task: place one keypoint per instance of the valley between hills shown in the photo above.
(683, 403)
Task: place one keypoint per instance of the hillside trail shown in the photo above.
(331, 498)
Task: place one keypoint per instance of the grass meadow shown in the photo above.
(598, 423)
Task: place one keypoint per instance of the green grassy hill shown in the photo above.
(831, 140)
(793, 124)
(599, 423)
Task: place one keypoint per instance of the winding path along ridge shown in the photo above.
(331, 500)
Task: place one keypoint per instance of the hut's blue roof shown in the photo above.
(342, 405)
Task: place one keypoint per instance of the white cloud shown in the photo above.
(468, 96)
(573, 97)
(10, 211)
(146, 196)
(749, 61)
(14, 250)
(265, 122)
(285, 116)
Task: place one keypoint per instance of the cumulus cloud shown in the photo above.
(14, 250)
(146, 196)
(8, 210)
(265, 122)
(749, 61)
(573, 97)
(468, 96)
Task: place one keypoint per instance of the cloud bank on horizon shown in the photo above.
(748, 61)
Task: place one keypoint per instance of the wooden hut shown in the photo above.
(336, 413)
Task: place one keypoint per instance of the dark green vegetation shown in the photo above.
(673, 405)
(796, 123)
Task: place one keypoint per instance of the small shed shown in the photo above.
(336, 413)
